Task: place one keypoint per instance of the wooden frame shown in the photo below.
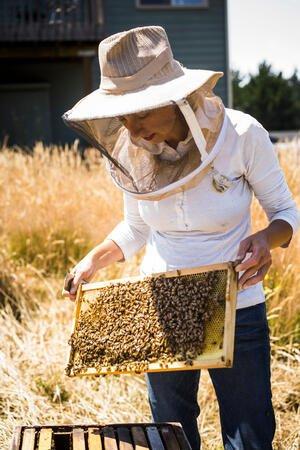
(204, 5)
(151, 436)
(218, 358)
(25, 20)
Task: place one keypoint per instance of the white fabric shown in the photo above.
(202, 226)
(167, 152)
(194, 126)
(100, 104)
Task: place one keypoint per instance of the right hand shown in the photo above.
(101, 256)
(83, 272)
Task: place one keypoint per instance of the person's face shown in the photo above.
(155, 125)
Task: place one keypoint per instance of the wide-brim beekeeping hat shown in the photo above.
(139, 73)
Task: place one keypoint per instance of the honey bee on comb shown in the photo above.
(131, 326)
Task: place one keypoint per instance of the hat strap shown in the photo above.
(194, 126)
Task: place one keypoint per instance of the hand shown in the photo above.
(81, 273)
(258, 264)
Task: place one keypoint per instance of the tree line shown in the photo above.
(272, 99)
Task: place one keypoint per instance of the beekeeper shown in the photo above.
(188, 168)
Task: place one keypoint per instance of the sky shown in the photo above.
(264, 30)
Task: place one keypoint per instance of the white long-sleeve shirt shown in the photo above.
(201, 226)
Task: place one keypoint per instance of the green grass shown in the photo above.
(51, 252)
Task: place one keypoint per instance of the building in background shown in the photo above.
(48, 54)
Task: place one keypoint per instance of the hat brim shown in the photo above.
(100, 104)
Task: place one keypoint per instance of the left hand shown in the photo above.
(258, 264)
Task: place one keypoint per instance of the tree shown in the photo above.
(269, 97)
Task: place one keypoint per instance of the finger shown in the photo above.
(244, 248)
(246, 275)
(252, 270)
(68, 281)
(261, 273)
(78, 277)
(76, 283)
(73, 293)
(68, 286)
(65, 293)
(254, 260)
(266, 259)
(73, 289)
(72, 297)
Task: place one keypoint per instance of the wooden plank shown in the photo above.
(75, 320)
(181, 437)
(173, 273)
(16, 440)
(98, 15)
(169, 438)
(94, 439)
(230, 315)
(110, 441)
(47, 51)
(78, 305)
(102, 284)
(45, 439)
(154, 438)
(209, 363)
(139, 438)
(125, 442)
(195, 270)
(78, 439)
(28, 439)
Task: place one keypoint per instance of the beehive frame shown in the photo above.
(211, 357)
(126, 436)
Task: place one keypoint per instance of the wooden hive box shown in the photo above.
(179, 320)
(138, 436)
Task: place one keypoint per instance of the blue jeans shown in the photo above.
(243, 391)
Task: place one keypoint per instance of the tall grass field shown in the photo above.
(54, 207)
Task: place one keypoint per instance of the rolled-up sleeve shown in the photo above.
(265, 176)
(132, 233)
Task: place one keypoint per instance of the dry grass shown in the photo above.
(283, 280)
(53, 207)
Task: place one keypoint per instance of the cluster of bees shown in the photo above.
(129, 325)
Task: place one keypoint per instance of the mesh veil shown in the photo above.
(133, 167)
